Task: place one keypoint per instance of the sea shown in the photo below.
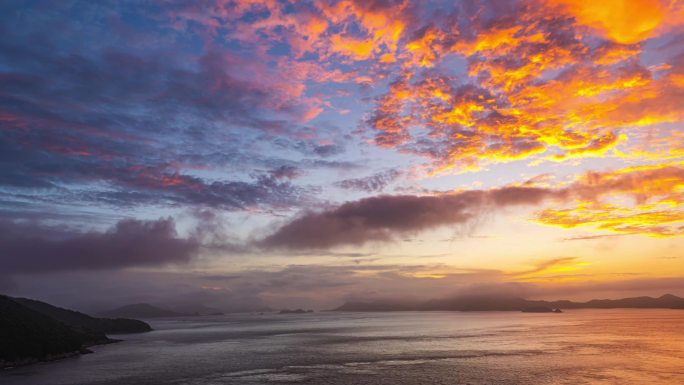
(626, 346)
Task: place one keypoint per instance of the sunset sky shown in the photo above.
(295, 153)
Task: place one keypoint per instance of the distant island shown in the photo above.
(487, 303)
(32, 331)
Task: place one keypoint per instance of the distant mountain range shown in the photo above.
(33, 331)
(485, 303)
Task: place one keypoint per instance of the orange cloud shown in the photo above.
(539, 89)
(357, 49)
(623, 21)
(425, 50)
(382, 25)
(645, 200)
(570, 115)
(656, 223)
(497, 41)
(539, 85)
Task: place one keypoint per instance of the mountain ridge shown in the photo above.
(489, 303)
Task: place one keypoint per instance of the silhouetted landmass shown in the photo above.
(27, 336)
(85, 322)
(33, 331)
(142, 310)
(484, 303)
(296, 311)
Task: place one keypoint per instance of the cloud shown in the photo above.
(653, 206)
(27, 248)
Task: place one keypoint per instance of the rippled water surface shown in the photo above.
(576, 347)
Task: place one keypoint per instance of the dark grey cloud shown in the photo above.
(30, 248)
(382, 218)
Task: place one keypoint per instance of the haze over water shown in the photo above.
(577, 347)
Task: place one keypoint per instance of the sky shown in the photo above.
(242, 154)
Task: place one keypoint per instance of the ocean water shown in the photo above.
(576, 347)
